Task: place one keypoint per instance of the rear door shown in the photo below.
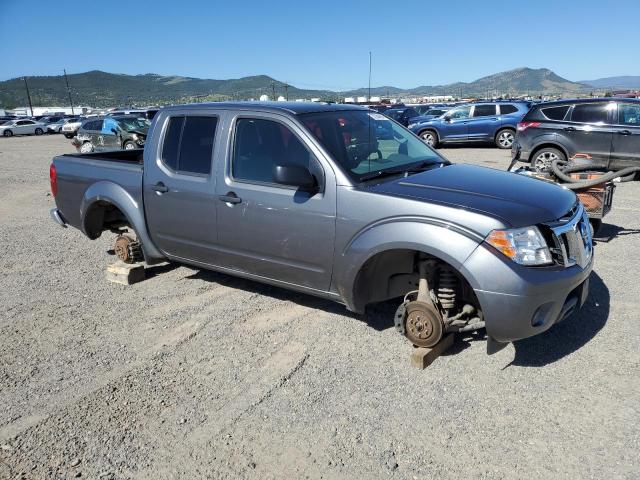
(589, 131)
(484, 122)
(179, 185)
(625, 148)
(271, 230)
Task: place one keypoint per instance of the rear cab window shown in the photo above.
(188, 144)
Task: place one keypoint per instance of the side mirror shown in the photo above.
(295, 176)
(447, 119)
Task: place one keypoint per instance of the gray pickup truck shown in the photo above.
(340, 202)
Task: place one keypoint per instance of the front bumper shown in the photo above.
(519, 302)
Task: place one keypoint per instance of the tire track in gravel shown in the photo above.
(171, 340)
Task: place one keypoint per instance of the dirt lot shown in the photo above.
(192, 374)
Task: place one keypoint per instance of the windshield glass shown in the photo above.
(365, 141)
(128, 124)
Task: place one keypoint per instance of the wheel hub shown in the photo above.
(127, 249)
(423, 325)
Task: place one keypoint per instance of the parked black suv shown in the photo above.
(605, 131)
(125, 132)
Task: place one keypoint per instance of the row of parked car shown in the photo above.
(40, 126)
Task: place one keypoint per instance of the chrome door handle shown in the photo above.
(624, 132)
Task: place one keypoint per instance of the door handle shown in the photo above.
(230, 197)
(624, 132)
(160, 187)
(569, 129)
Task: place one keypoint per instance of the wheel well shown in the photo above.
(504, 128)
(546, 145)
(103, 216)
(428, 130)
(393, 273)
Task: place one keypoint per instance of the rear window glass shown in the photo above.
(555, 113)
(484, 110)
(188, 144)
(590, 113)
(507, 109)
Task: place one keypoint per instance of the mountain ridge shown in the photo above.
(101, 89)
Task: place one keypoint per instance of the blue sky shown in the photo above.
(321, 44)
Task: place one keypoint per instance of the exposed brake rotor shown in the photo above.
(423, 324)
(127, 249)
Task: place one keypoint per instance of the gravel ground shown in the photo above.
(193, 374)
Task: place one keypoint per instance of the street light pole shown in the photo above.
(68, 90)
(28, 95)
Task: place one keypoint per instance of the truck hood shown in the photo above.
(515, 200)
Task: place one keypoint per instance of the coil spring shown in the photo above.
(448, 288)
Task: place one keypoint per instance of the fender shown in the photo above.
(105, 191)
(447, 241)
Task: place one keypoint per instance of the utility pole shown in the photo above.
(286, 91)
(68, 90)
(273, 91)
(28, 95)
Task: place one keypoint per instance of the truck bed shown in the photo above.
(76, 173)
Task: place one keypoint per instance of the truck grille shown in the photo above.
(571, 238)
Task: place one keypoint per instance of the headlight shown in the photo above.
(525, 246)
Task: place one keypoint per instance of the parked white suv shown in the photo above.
(22, 127)
(70, 128)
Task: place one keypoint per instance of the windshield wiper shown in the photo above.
(410, 168)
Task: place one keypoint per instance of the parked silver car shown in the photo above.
(22, 127)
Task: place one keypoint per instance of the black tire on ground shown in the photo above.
(541, 160)
(129, 145)
(39, 131)
(504, 138)
(68, 135)
(8, 133)
(429, 137)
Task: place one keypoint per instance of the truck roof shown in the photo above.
(291, 108)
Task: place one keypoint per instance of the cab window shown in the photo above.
(262, 144)
(188, 144)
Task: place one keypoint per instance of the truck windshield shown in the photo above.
(366, 143)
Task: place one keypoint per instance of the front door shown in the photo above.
(455, 124)
(110, 134)
(179, 187)
(589, 131)
(271, 230)
(625, 147)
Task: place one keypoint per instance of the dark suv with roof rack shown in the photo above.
(605, 131)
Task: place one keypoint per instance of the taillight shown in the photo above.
(53, 178)
(522, 126)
